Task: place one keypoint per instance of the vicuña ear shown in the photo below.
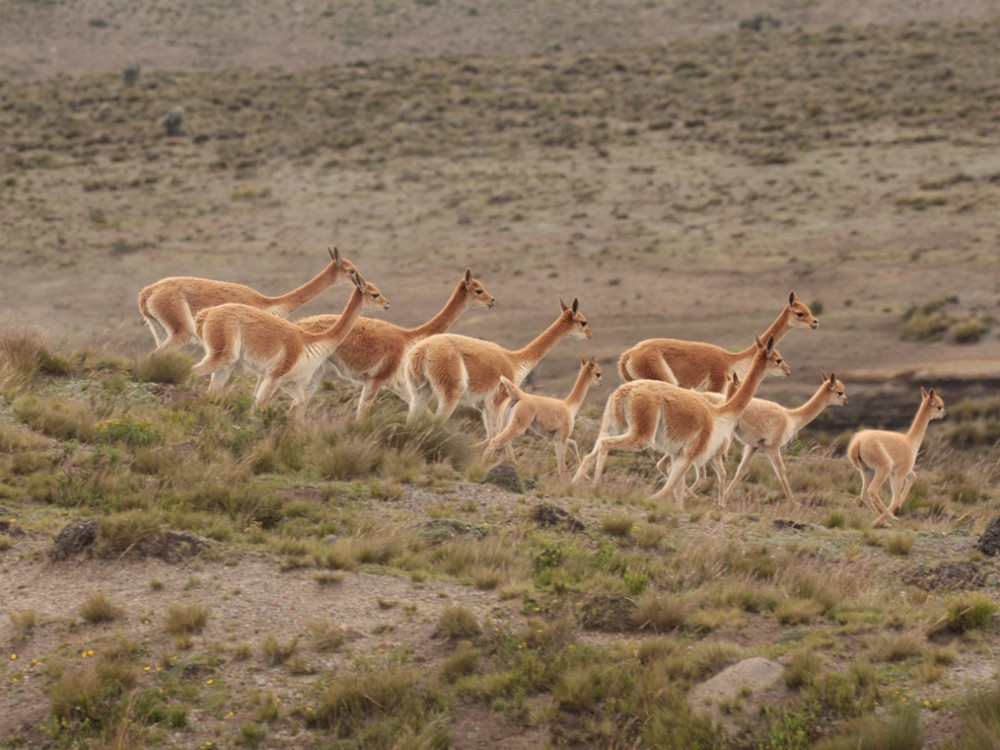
(931, 394)
(576, 305)
(359, 281)
(770, 345)
(593, 361)
(791, 298)
(824, 375)
(923, 392)
(334, 254)
(562, 304)
(468, 277)
(833, 379)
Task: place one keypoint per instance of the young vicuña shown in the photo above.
(551, 418)
(170, 305)
(701, 366)
(770, 426)
(281, 353)
(881, 454)
(374, 351)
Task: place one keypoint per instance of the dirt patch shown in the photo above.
(948, 576)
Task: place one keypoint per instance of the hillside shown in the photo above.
(184, 571)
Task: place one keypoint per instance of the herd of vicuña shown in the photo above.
(686, 400)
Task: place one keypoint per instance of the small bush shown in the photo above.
(164, 367)
(970, 611)
(618, 524)
(899, 544)
(130, 73)
(173, 121)
(661, 612)
(458, 621)
(184, 619)
(98, 608)
(275, 652)
(24, 622)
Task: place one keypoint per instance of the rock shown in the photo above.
(75, 537)
(505, 476)
(989, 542)
(947, 576)
(741, 689)
(546, 514)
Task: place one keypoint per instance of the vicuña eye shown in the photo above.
(800, 314)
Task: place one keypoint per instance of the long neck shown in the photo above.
(333, 336)
(739, 400)
(575, 398)
(444, 319)
(916, 432)
(777, 329)
(290, 302)
(532, 354)
(811, 409)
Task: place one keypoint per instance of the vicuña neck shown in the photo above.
(444, 319)
(333, 336)
(916, 432)
(532, 354)
(778, 329)
(739, 400)
(811, 409)
(298, 297)
(579, 391)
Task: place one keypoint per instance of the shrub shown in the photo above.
(458, 621)
(99, 608)
(970, 611)
(173, 121)
(130, 73)
(183, 619)
(164, 367)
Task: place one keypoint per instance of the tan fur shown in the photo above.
(551, 418)
(374, 351)
(458, 368)
(681, 423)
(170, 305)
(770, 426)
(880, 454)
(700, 366)
(280, 352)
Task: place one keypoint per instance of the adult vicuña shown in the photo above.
(551, 418)
(771, 426)
(458, 368)
(374, 351)
(681, 423)
(878, 454)
(701, 366)
(281, 353)
(170, 305)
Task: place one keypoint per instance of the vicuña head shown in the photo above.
(801, 316)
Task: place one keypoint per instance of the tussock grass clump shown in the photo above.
(325, 636)
(24, 622)
(23, 356)
(619, 523)
(98, 608)
(980, 720)
(63, 420)
(899, 544)
(661, 612)
(464, 660)
(899, 730)
(185, 619)
(168, 368)
(374, 705)
(120, 532)
(275, 652)
(968, 611)
(458, 621)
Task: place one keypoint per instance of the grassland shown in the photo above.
(242, 580)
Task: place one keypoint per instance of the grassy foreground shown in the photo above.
(602, 622)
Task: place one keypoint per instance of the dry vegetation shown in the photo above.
(226, 577)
